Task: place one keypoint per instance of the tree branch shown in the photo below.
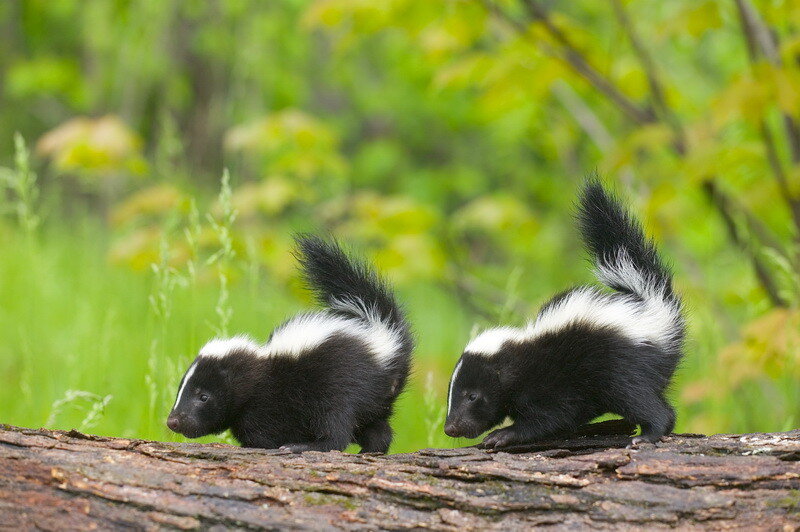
(758, 37)
(589, 122)
(759, 41)
(571, 55)
(584, 116)
(730, 211)
(651, 73)
(756, 31)
(54, 480)
(578, 61)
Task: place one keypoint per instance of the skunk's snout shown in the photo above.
(174, 423)
(462, 428)
(451, 429)
(457, 429)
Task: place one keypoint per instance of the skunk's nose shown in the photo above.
(451, 429)
(173, 423)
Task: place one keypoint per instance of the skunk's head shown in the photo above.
(214, 387)
(478, 396)
(476, 399)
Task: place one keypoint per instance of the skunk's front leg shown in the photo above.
(516, 434)
(526, 429)
(505, 437)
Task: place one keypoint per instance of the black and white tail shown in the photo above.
(625, 259)
(351, 288)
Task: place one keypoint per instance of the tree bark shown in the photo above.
(58, 480)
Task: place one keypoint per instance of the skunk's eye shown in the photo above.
(203, 397)
(472, 396)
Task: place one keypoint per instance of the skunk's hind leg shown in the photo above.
(333, 431)
(654, 415)
(671, 424)
(375, 437)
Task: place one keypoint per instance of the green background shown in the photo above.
(443, 139)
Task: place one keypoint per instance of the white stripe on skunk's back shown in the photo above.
(656, 319)
(491, 340)
(221, 347)
(308, 331)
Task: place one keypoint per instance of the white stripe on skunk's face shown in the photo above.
(186, 378)
(452, 384)
(203, 399)
(474, 400)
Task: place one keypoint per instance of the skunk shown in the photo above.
(589, 351)
(323, 379)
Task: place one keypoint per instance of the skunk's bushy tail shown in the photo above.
(625, 259)
(350, 287)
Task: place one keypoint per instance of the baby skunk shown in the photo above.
(588, 352)
(323, 379)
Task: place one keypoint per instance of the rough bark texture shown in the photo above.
(68, 480)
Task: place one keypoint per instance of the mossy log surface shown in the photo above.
(56, 480)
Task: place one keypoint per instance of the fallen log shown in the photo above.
(56, 480)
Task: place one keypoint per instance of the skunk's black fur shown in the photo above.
(588, 352)
(322, 381)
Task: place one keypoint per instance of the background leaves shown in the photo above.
(445, 139)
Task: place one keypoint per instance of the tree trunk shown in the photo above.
(67, 480)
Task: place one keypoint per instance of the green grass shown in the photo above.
(72, 322)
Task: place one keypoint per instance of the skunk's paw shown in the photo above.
(499, 438)
(638, 441)
(295, 447)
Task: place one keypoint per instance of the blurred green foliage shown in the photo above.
(445, 138)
